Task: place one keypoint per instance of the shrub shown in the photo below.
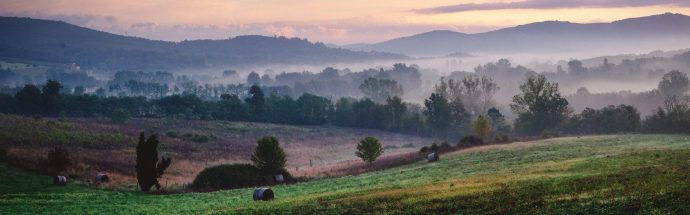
(369, 149)
(198, 138)
(119, 116)
(470, 140)
(268, 156)
(434, 147)
(424, 149)
(172, 134)
(58, 159)
(505, 138)
(481, 127)
(230, 176)
(444, 145)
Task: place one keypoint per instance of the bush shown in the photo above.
(434, 147)
(119, 116)
(230, 176)
(481, 127)
(197, 138)
(58, 159)
(424, 149)
(505, 138)
(470, 140)
(444, 145)
(172, 134)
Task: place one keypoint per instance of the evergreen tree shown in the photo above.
(268, 156)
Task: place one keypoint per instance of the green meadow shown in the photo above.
(612, 174)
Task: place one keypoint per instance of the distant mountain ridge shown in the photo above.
(664, 30)
(60, 42)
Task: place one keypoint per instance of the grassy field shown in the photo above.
(99, 145)
(615, 174)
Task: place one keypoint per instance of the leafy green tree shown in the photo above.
(148, 168)
(256, 101)
(119, 116)
(52, 100)
(369, 149)
(481, 127)
(674, 83)
(29, 100)
(230, 107)
(368, 114)
(539, 106)
(438, 113)
(253, 78)
(268, 156)
(100, 92)
(380, 90)
(344, 113)
(79, 90)
(313, 110)
(395, 113)
(672, 117)
(498, 122)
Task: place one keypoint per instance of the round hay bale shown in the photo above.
(263, 194)
(102, 178)
(432, 157)
(60, 180)
(279, 178)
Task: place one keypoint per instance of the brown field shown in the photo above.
(313, 151)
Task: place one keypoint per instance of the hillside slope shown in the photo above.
(60, 42)
(615, 174)
(651, 32)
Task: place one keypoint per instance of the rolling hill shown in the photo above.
(613, 174)
(60, 42)
(652, 32)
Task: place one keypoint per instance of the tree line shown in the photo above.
(451, 111)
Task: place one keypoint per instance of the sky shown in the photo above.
(328, 21)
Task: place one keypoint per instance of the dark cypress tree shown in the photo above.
(149, 170)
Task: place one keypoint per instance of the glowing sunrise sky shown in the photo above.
(339, 22)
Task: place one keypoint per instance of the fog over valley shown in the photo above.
(344, 107)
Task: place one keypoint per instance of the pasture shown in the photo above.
(612, 174)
